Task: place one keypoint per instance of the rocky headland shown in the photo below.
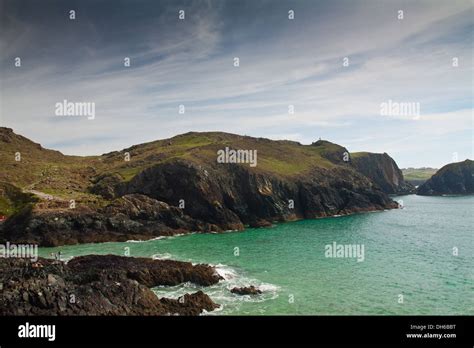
(101, 285)
(383, 170)
(452, 179)
(176, 186)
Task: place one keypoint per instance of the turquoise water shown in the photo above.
(407, 252)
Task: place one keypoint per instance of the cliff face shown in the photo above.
(452, 179)
(383, 171)
(177, 185)
(232, 196)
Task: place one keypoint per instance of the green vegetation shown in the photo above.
(283, 158)
(128, 173)
(13, 200)
(359, 154)
(417, 176)
(418, 173)
(71, 177)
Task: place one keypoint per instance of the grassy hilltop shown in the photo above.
(418, 176)
(69, 177)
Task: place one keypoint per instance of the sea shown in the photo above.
(417, 260)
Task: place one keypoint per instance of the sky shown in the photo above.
(282, 62)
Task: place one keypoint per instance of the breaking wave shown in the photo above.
(221, 293)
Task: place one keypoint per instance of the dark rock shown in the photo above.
(383, 171)
(452, 179)
(248, 290)
(100, 285)
(245, 197)
(189, 304)
(260, 223)
(104, 185)
(131, 217)
(146, 271)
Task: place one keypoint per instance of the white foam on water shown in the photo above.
(268, 287)
(67, 259)
(174, 292)
(229, 231)
(215, 311)
(179, 235)
(221, 292)
(146, 240)
(160, 237)
(225, 272)
(164, 256)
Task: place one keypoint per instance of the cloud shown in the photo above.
(282, 63)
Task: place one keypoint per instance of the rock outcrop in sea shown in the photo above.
(101, 285)
(246, 290)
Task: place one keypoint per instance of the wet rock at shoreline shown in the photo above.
(131, 217)
(247, 290)
(189, 304)
(100, 285)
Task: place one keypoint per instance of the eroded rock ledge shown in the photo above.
(101, 285)
(131, 217)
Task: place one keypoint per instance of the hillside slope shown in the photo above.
(417, 176)
(452, 179)
(177, 185)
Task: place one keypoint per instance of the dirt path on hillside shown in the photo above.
(45, 196)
